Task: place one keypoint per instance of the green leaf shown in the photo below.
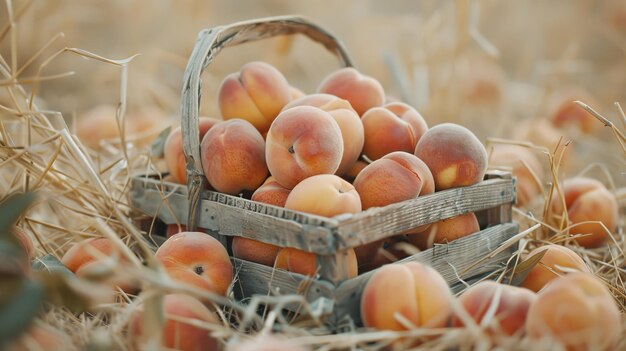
(521, 271)
(17, 314)
(158, 146)
(11, 209)
(59, 290)
(51, 264)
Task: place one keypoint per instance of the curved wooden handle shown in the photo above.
(208, 45)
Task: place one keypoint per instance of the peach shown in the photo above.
(454, 155)
(324, 195)
(233, 157)
(254, 251)
(577, 311)
(413, 290)
(446, 231)
(303, 141)
(96, 125)
(173, 149)
(511, 307)
(554, 263)
(541, 133)
(181, 330)
(564, 112)
(145, 124)
(523, 163)
(354, 171)
(296, 93)
(348, 121)
(40, 337)
(197, 259)
(393, 127)
(256, 93)
(305, 263)
(587, 199)
(271, 192)
(396, 177)
(266, 343)
(363, 92)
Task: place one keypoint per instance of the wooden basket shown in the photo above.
(223, 216)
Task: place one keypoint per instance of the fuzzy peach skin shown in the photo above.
(354, 171)
(577, 311)
(564, 112)
(303, 141)
(393, 127)
(511, 307)
(396, 177)
(324, 195)
(554, 264)
(254, 251)
(41, 337)
(197, 259)
(178, 332)
(414, 290)
(454, 155)
(173, 150)
(348, 121)
(523, 163)
(363, 92)
(256, 93)
(305, 263)
(446, 231)
(271, 192)
(587, 199)
(233, 157)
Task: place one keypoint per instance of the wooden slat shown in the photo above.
(379, 223)
(449, 260)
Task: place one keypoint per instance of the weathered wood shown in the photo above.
(334, 268)
(450, 260)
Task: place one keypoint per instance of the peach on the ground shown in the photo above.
(303, 141)
(233, 157)
(363, 92)
(522, 163)
(256, 93)
(564, 112)
(197, 259)
(445, 231)
(393, 127)
(556, 262)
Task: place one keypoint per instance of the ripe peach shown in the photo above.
(233, 157)
(577, 311)
(144, 124)
(173, 149)
(587, 200)
(303, 141)
(305, 263)
(564, 112)
(363, 92)
(348, 121)
(512, 304)
(446, 231)
(197, 259)
(396, 177)
(523, 164)
(97, 124)
(256, 93)
(358, 166)
(414, 290)
(179, 331)
(254, 251)
(542, 133)
(393, 127)
(550, 266)
(40, 337)
(324, 195)
(454, 155)
(271, 192)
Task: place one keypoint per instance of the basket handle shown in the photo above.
(208, 45)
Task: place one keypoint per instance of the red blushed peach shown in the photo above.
(363, 92)
(554, 264)
(393, 127)
(305, 263)
(446, 231)
(578, 312)
(511, 307)
(173, 150)
(355, 170)
(398, 176)
(40, 337)
(271, 192)
(564, 112)
(256, 93)
(348, 121)
(324, 195)
(303, 141)
(413, 290)
(454, 155)
(181, 330)
(254, 251)
(233, 157)
(197, 259)
(523, 164)
(587, 200)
